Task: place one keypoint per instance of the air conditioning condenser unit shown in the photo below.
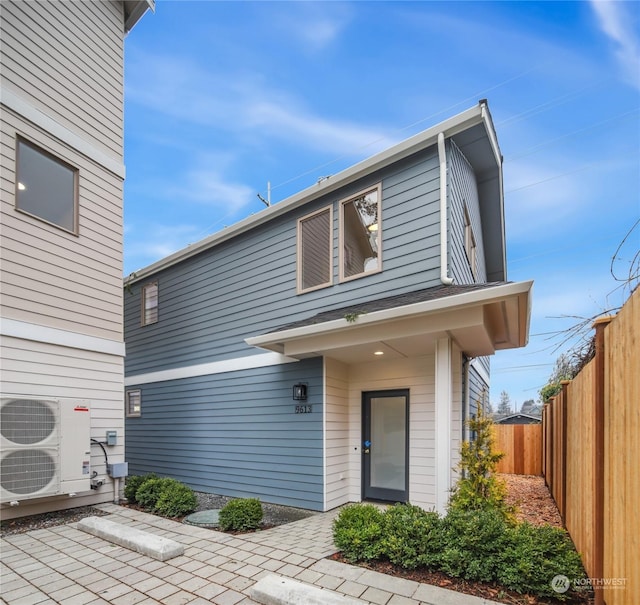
(45, 447)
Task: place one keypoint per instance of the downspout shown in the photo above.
(465, 396)
(442, 156)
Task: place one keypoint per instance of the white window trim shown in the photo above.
(143, 311)
(127, 408)
(300, 289)
(342, 204)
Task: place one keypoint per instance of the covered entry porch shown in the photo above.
(410, 349)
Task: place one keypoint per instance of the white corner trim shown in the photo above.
(206, 369)
(443, 414)
(14, 328)
(21, 106)
(479, 368)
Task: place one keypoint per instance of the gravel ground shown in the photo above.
(274, 514)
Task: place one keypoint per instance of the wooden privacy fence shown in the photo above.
(522, 446)
(591, 457)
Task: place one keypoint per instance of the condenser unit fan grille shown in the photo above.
(27, 471)
(26, 421)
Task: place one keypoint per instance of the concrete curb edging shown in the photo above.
(278, 590)
(140, 541)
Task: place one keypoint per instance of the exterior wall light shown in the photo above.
(300, 392)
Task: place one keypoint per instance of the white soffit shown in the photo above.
(481, 322)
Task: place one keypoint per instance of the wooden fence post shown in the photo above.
(565, 396)
(598, 453)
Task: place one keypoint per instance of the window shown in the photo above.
(360, 234)
(46, 187)
(470, 244)
(150, 303)
(133, 403)
(315, 265)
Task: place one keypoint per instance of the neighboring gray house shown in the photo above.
(518, 418)
(61, 247)
(329, 348)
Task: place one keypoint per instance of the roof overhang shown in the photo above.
(133, 11)
(480, 322)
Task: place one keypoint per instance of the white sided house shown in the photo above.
(61, 233)
(329, 349)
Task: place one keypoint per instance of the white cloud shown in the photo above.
(149, 242)
(315, 25)
(619, 21)
(183, 90)
(207, 186)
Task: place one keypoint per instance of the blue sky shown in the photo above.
(223, 97)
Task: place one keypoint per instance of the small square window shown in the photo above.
(150, 303)
(315, 266)
(46, 187)
(133, 403)
(360, 234)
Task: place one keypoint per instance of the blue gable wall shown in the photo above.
(247, 286)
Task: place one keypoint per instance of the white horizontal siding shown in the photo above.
(51, 371)
(51, 277)
(337, 471)
(417, 375)
(67, 59)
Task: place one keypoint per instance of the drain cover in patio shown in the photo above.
(204, 518)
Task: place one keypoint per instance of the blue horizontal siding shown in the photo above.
(234, 434)
(210, 303)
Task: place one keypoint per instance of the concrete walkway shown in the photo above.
(65, 565)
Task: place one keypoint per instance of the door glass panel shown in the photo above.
(388, 442)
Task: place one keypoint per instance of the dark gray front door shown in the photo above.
(385, 445)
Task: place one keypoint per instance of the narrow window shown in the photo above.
(133, 403)
(46, 187)
(150, 303)
(470, 244)
(315, 265)
(360, 234)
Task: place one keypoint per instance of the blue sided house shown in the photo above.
(329, 348)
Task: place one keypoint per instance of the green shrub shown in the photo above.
(534, 555)
(241, 514)
(132, 484)
(474, 541)
(358, 531)
(412, 536)
(150, 491)
(478, 487)
(176, 500)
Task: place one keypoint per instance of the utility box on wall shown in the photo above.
(45, 447)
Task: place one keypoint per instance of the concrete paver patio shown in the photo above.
(65, 565)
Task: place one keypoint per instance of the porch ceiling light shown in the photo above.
(378, 352)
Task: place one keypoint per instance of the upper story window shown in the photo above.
(470, 244)
(46, 187)
(149, 303)
(133, 403)
(360, 234)
(315, 265)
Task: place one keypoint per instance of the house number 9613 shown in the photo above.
(303, 409)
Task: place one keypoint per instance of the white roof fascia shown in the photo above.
(140, 7)
(418, 142)
(430, 306)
